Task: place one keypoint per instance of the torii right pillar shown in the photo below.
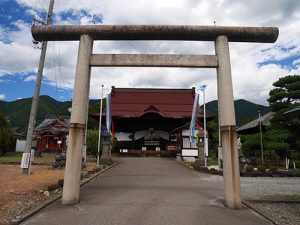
(231, 170)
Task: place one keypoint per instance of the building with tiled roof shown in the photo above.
(147, 118)
(52, 133)
(253, 126)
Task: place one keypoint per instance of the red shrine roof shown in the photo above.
(53, 124)
(135, 102)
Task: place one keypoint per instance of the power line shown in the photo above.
(166, 71)
(90, 12)
(88, 9)
(54, 65)
(131, 45)
(59, 64)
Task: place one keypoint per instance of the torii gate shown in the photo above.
(221, 35)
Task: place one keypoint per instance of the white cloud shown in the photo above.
(250, 80)
(296, 62)
(2, 96)
(30, 78)
(18, 55)
(2, 33)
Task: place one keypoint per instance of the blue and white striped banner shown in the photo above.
(108, 113)
(194, 118)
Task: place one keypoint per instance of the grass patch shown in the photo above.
(11, 157)
(47, 158)
(213, 162)
(15, 157)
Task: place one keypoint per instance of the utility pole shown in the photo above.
(35, 99)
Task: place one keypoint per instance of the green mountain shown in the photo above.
(18, 111)
(245, 111)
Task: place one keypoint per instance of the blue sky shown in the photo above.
(254, 66)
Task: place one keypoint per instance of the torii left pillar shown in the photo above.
(71, 189)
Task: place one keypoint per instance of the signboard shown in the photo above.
(25, 160)
(189, 152)
(20, 145)
(172, 147)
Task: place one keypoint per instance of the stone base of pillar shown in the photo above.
(106, 151)
(200, 163)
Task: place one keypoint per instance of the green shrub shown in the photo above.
(92, 143)
(297, 163)
(261, 168)
(109, 163)
(270, 154)
(273, 168)
(249, 168)
(295, 155)
(213, 154)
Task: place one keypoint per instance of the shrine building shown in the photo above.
(52, 133)
(152, 121)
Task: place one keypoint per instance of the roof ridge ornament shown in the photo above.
(151, 108)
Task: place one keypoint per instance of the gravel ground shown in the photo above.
(281, 212)
(19, 204)
(20, 193)
(276, 197)
(264, 188)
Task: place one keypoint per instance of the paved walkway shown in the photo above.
(144, 191)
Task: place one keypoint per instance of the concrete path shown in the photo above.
(142, 191)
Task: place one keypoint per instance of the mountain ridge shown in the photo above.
(245, 111)
(18, 111)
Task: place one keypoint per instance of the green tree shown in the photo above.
(273, 140)
(283, 133)
(286, 96)
(92, 143)
(277, 140)
(92, 122)
(213, 125)
(6, 135)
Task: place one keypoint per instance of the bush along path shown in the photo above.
(250, 171)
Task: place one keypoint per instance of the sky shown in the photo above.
(255, 66)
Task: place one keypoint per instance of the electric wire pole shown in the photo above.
(35, 99)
